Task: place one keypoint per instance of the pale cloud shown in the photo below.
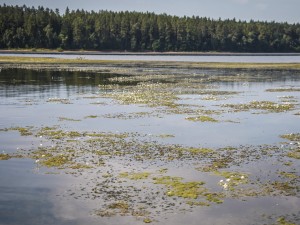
(241, 1)
(261, 6)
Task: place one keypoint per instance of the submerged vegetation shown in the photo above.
(202, 119)
(148, 173)
(4, 156)
(262, 105)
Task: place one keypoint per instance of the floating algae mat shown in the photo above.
(117, 144)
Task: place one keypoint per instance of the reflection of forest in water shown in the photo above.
(15, 82)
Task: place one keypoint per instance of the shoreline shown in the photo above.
(86, 52)
(52, 63)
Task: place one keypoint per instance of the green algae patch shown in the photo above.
(56, 161)
(166, 136)
(53, 133)
(91, 117)
(201, 151)
(68, 119)
(214, 197)
(135, 176)
(113, 209)
(285, 187)
(284, 90)
(234, 175)
(294, 154)
(80, 166)
(24, 131)
(232, 179)
(288, 175)
(283, 221)
(181, 189)
(152, 95)
(122, 206)
(262, 105)
(195, 203)
(202, 119)
(4, 156)
(291, 137)
(59, 100)
(147, 220)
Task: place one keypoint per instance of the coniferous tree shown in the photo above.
(25, 27)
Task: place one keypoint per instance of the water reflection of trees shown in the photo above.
(49, 83)
(19, 82)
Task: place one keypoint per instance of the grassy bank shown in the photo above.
(12, 60)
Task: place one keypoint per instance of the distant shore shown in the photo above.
(86, 52)
(79, 63)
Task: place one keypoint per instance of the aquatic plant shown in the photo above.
(68, 119)
(180, 189)
(262, 105)
(24, 131)
(291, 137)
(56, 161)
(232, 179)
(4, 156)
(135, 176)
(283, 221)
(59, 100)
(283, 90)
(294, 154)
(202, 119)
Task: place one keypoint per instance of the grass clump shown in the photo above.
(147, 220)
(53, 133)
(283, 90)
(56, 161)
(283, 221)
(135, 176)
(262, 105)
(294, 154)
(68, 119)
(201, 151)
(152, 95)
(24, 131)
(80, 166)
(178, 188)
(232, 179)
(193, 203)
(289, 175)
(202, 119)
(214, 197)
(4, 156)
(123, 207)
(166, 136)
(91, 117)
(291, 137)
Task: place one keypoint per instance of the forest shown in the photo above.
(29, 27)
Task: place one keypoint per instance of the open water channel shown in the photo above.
(149, 145)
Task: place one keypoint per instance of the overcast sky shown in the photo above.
(263, 10)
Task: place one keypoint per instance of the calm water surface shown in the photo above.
(276, 58)
(30, 194)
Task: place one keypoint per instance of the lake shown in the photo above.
(218, 57)
(149, 145)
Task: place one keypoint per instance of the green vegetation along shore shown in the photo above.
(13, 61)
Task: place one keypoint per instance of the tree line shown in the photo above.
(25, 27)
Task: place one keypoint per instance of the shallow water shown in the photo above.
(32, 193)
(248, 58)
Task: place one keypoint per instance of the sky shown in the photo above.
(262, 10)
